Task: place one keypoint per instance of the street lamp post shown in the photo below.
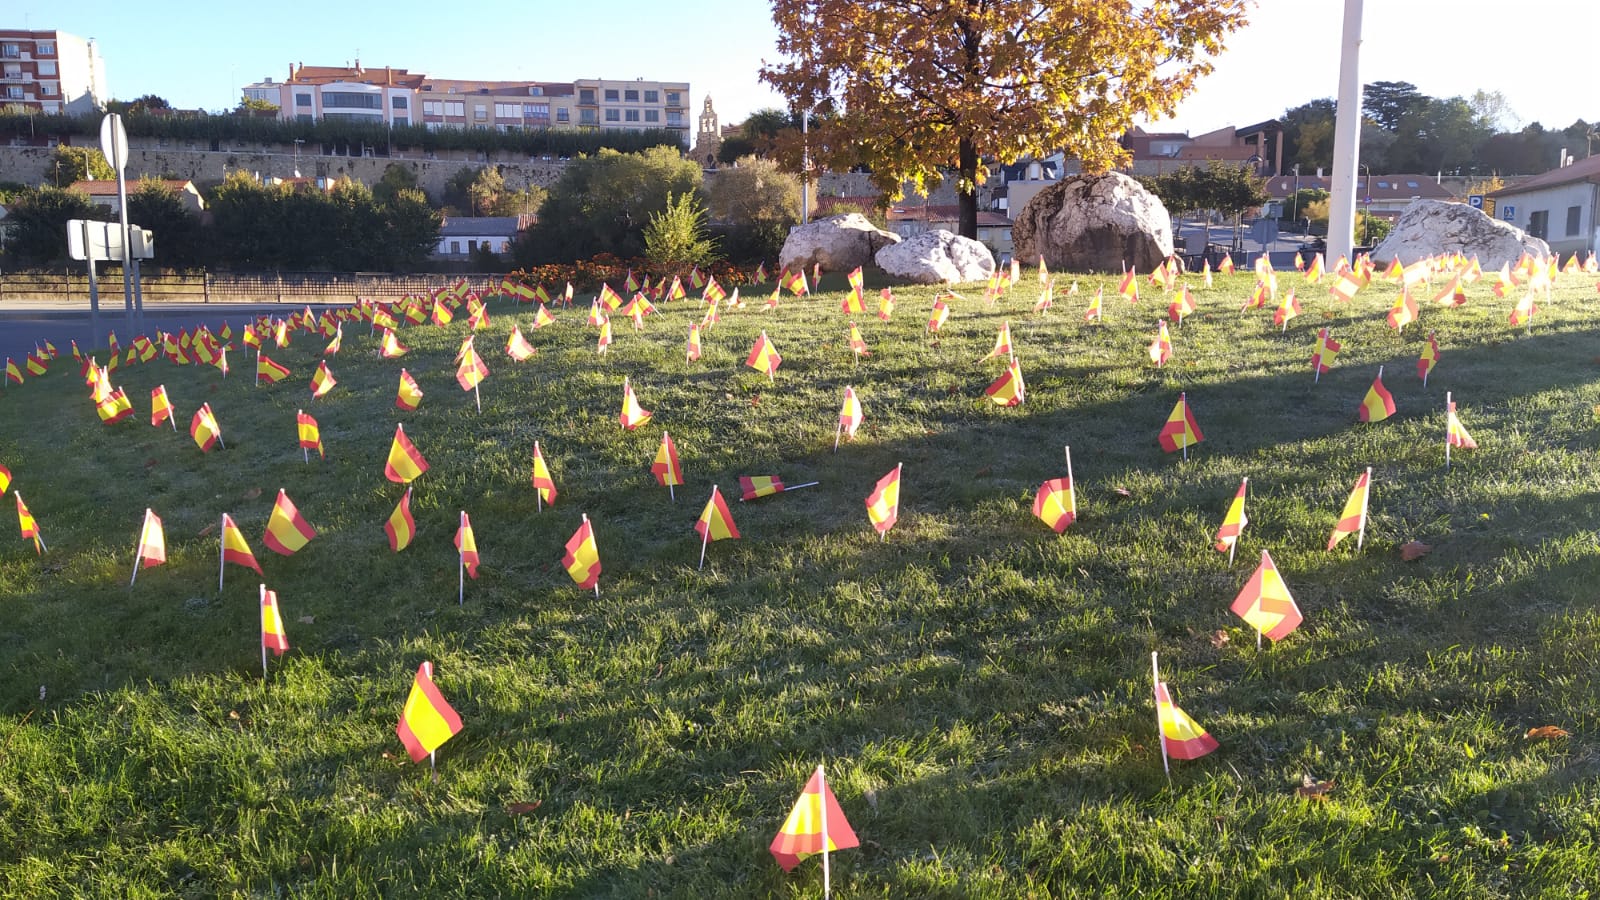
(1366, 216)
(1294, 204)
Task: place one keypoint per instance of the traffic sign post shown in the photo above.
(94, 241)
(114, 143)
(1508, 213)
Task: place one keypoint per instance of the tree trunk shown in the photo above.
(967, 191)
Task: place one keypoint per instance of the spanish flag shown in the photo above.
(287, 530)
(713, 291)
(269, 370)
(400, 527)
(272, 635)
(764, 356)
(321, 381)
(796, 282)
(1181, 736)
(152, 549)
(883, 504)
(1264, 603)
(160, 406)
(441, 313)
(716, 521)
(391, 347)
(1404, 311)
(1233, 521)
(815, 825)
(204, 429)
(1095, 309)
(692, 352)
(752, 487)
(582, 559)
(1525, 310)
(426, 721)
(1327, 348)
(1055, 505)
(472, 370)
(858, 344)
(665, 467)
(1008, 389)
(1129, 287)
(1354, 516)
(850, 413)
(1002, 343)
(310, 434)
(633, 415)
(1182, 306)
(405, 463)
(1429, 357)
(542, 481)
(234, 548)
(885, 304)
(1226, 266)
(941, 312)
(5, 479)
(1181, 430)
(1288, 308)
(410, 394)
(30, 528)
(1378, 404)
(517, 347)
(1455, 433)
(466, 544)
(1160, 349)
(542, 317)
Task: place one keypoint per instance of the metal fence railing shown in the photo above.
(229, 287)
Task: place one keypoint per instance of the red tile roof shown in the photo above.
(109, 188)
(1582, 170)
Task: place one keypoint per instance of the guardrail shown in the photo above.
(227, 287)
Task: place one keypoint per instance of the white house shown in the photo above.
(1562, 206)
(460, 235)
(104, 193)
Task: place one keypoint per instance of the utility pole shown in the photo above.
(1346, 137)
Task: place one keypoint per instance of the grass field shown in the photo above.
(977, 685)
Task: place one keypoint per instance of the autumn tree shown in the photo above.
(927, 88)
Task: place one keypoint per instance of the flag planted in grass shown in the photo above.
(400, 527)
(427, 720)
(1181, 736)
(816, 825)
(542, 482)
(234, 547)
(1233, 522)
(405, 462)
(204, 428)
(582, 559)
(30, 527)
(410, 395)
(1181, 431)
(152, 549)
(1378, 404)
(1008, 389)
(1055, 504)
(287, 530)
(764, 356)
(273, 636)
(665, 467)
(883, 504)
(322, 381)
(633, 415)
(1353, 519)
(467, 546)
(517, 347)
(1265, 604)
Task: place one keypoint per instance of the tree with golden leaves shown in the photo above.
(926, 87)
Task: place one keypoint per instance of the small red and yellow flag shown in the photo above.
(582, 559)
(410, 394)
(1264, 602)
(1429, 357)
(815, 825)
(1378, 404)
(466, 545)
(850, 413)
(1455, 433)
(1008, 389)
(272, 634)
(322, 381)
(268, 370)
(752, 487)
(152, 550)
(287, 530)
(517, 347)
(692, 350)
(1354, 516)
(542, 482)
(1181, 431)
(30, 528)
(204, 428)
(405, 462)
(1233, 521)
(390, 347)
(1055, 504)
(400, 528)
(160, 406)
(310, 434)
(633, 415)
(666, 468)
(716, 520)
(1404, 311)
(234, 547)
(764, 356)
(883, 504)
(1181, 736)
(427, 720)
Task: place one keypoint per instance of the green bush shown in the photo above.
(676, 237)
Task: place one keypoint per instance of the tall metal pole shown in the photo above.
(1346, 137)
(805, 166)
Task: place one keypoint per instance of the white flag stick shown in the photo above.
(706, 538)
(1446, 428)
(1072, 486)
(538, 495)
(1155, 677)
(263, 642)
(476, 399)
(138, 557)
(1366, 497)
(222, 549)
(826, 877)
(591, 534)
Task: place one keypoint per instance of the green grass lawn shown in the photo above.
(977, 685)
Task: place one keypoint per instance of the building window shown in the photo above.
(586, 95)
(44, 48)
(631, 96)
(535, 91)
(562, 115)
(455, 248)
(350, 100)
(47, 67)
(536, 110)
(611, 96)
(508, 110)
(675, 119)
(1539, 223)
(397, 102)
(432, 108)
(402, 121)
(302, 100)
(14, 93)
(10, 51)
(480, 112)
(611, 115)
(455, 108)
(652, 115)
(652, 96)
(1573, 213)
(586, 117)
(631, 115)
(672, 98)
(47, 88)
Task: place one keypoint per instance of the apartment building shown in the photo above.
(51, 72)
(634, 105)
(401, 97)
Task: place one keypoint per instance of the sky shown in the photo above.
(1537, 54)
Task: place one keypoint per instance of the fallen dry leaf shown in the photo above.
(756, 400)
(150, 463)
(1123, 492)
(208, 529)
(1547, 733)
(1312, 789)
(1328, 314)
(308, 620)
(252, 493)
(1219, 639)
(1414, 550)
(522, 809)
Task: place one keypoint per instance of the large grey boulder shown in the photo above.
(1094, 223)
(839, 243)
(937, 257)
(1431, 227)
